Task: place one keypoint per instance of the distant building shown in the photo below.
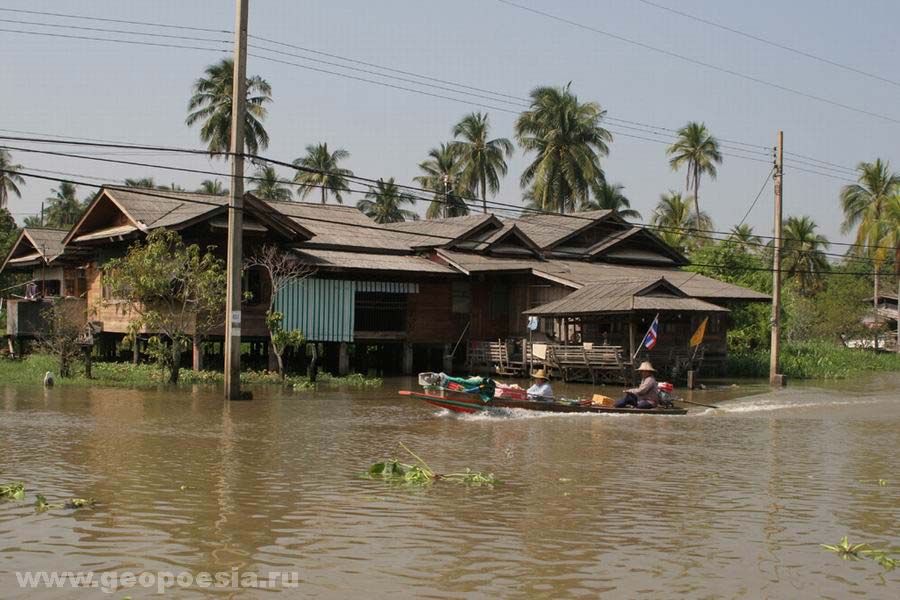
(417, 295)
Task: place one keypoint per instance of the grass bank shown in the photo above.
(31, 369)
(813, 360)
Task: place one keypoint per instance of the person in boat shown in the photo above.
(540, 388)
(644, 396)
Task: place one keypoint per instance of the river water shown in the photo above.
(729, 503)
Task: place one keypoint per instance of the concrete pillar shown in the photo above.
(447, 363)
(197, 358)
(343, 359)
(407, 364)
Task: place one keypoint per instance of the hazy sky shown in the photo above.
(103, 90)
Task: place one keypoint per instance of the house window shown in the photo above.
(49, 287)
(462, 298)
(380, 311)
(251, 281)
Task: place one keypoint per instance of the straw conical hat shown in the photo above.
(539, 374)
(646, 366)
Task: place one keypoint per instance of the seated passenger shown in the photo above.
(540, 389)
(645, 395)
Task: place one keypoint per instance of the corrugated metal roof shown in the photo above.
(379, 262)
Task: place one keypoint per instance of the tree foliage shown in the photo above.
(282, 270)
(441, 174)
(271, 187)
(210, 105)
(698, 151)
(171, 288)
(10, 180)
(320, 171)
(482, 161)
(384, 203)
(568, 141)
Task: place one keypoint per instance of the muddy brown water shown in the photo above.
(731, 503)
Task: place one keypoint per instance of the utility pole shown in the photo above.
(774, 377)
(235, 207)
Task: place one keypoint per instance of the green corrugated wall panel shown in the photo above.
(323, 309)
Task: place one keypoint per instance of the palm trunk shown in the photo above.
(697, 200)
(484, 194)
(323, 194)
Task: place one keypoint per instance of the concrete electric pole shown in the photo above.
(774, 377)
(235, 208)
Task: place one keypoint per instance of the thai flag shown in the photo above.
(652, 334)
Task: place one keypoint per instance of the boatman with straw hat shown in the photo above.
(645, 395)
(540, 389)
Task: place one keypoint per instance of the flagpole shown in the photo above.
(644, 339)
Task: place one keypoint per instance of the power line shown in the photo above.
(123, 21)
(116, 41)
(524, 101)
(771, 43)
(108, 30)
(701, 63)
(474, 203)
(157, 194)
(471, 199)
(755, 200)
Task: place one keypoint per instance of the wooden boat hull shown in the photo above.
(465, 403)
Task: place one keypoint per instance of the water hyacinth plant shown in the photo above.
(848, 551)
(421, 474)
(12, 491)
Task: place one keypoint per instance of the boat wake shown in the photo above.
(771, 403)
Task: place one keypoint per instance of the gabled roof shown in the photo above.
(502, 237)
(549, 230)
(145, 210)
(336, 259)
(622, 296)
(610, 247)
(35, 245)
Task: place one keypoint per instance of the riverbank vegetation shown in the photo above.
(30, 371)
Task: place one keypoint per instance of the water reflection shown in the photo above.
(727, 503)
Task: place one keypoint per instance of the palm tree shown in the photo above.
(172, 187)
(699, 152)
(803, 254)
(211, 105)
(743, 238)
(673, 217)
(319, 169)
(212, 187)
(64, 208)
(568, 140)
(271, 187)
(384, 203)
(863, 204)
(10, 180)
(441, 175)
(143, 182)
(609, 196)
(482, 161)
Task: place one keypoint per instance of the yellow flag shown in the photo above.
(697, 338)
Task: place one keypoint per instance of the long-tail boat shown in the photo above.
(457, 398)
